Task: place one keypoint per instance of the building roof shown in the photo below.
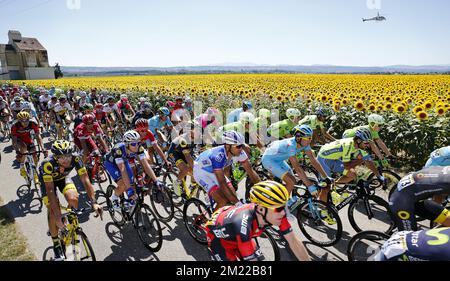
(29, 44)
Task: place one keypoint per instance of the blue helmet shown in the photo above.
(364, 134)
(322, 112)
(233, 138)
(302, 131)
(247, 105)
(164, 111)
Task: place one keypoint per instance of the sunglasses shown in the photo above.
(64, 157)
(305, 138)
(239, 146)
(134, 144)
(279, 209)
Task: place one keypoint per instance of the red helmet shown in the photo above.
(124, 99)
(170, 104)
(141, 124)
(88, 119)
(99, 106)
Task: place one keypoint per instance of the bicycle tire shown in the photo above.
(380, 202)
(168, 178)
(87, 245)
(166, 203)
(373, 236)
(112, 212)
(388, 174)
(303, 213)
(144, 230)
(195, 231)
(273, 243)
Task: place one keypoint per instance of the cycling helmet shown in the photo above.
(123, 96)
(83, 94)
(61, 147)
(99, 106)
(212, 111)
(23, 115)
(62, 97)
(131, 137)
(246, 117)
(233, 138)
(141, 124)
(88, 106)
(322, 112)
(170, 104)
(17, 99)
(247, 105)
(264, 113)
(124, 100)
(291, 113)
(142, 99)
(269, 194)
(363, 134)
(188, 100)
(375, 120)
(164, 111)
(88, 119)
(147, 106)
(109, 99)
(302, 131)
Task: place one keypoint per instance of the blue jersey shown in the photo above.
(119, 154)
(233, 116)
(216, 159)
(156, 123)
(439, 157)
(284, 149)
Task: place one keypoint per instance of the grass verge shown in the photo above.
(13, 244)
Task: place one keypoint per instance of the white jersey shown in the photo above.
(110, 109)
(51, 105)
(3, 105)
(62, 109)
(44, 99)
(16, 108)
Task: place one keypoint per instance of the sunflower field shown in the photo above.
(416, 107)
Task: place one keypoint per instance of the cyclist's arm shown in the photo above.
(189, 158)
(297, 247)
(327, 135)
(160, 152)
(375, 150)
(383, 147)
(301, 174)
(88, 187)
(316, 163)
(220, 175)
(124, 173)
(148, 170)
(250, 172)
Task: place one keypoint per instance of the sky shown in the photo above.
(166, 33)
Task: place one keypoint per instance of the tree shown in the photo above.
(58, 72)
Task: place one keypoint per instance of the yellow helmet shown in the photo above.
(269, 194)
(23, 115)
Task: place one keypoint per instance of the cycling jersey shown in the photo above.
(51, 171)
(123, 106)
(249, 135)
(51, 106)
(408, 198)
(101, 116)
(43, 101)
(312, 121)
(439, 157)
(62, 109)
(350, 133)
(120, 155)
(281, 129)
(24, 133)
(148, 140)
(82, 132)
(83, 101)
(343, 150)
(181, 145)
(234, 115)
(16, 108)
(424, 245)
(231, 230)
(156, 123)
(110, 108)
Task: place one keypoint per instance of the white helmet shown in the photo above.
(375, 119)
(123, 96)
(142, 99)
(131, 137)
(83, 94)
(233, 138)
(246, 117)
(292, 112)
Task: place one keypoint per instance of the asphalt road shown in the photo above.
(111, 243)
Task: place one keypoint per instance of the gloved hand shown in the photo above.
(159, 184)
(382, 179)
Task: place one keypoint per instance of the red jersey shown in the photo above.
(100, 115)
(81, 132)
(24, 133)
(123, 107)
(149, 139)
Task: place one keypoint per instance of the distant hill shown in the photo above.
(250, 68)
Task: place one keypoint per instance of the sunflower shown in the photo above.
(324, 98)
(359, 105)
(440, 111)
(400, 108)
(280, 98)
(372, 107)
(428, 105)
(422, 115)
(417, 109)
(388, 106)
(336, 107)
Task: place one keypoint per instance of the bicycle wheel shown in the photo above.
(81, 249)
(102, 177)
(365, 245)
(162, 204)
(319, 222)
(392, 181)
(169, 178)
(268, 246)
(381, 220)
(195, 214)
(116, 215)
(148, 228)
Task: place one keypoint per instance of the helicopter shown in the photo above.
(377, 18)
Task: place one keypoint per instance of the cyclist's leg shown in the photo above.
(218, 250)
(433, 211)
(209, 182)
(70, 193)
(402, 207)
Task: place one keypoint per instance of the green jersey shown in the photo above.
(343, 150)
(312, 121)
(350, 133)
(281, 129)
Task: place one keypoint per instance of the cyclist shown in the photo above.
(439, 157)
(231, 230)
(145, 112)
(210, 168)
(276, 155)
(126, 110)
(16, 106)
(117, 164)
(71, 98)
(4, 111)
(158, 122)
(23, 133)
(424, 245)
(93, 96)
(54, 174)
(343, 156)
(86, 109)
(111, 108)
(142, 101)
(148, 140)
(282, 129)
(64, 114)
(410, 197)
(375, 123)
(234, 115)
(82, 100)
(44, 99)
(83, 137)
(102, 118)
(316, 122)
(207, 125)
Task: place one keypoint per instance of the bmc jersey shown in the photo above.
(235, 227)
(312, 121)
(50, 170)
(343, 150)
(24, 133)
(216, 159)
(284, 149)
(81, 131)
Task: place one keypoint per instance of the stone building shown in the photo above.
(24, 58)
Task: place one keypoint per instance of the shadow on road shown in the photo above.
(27, 203)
